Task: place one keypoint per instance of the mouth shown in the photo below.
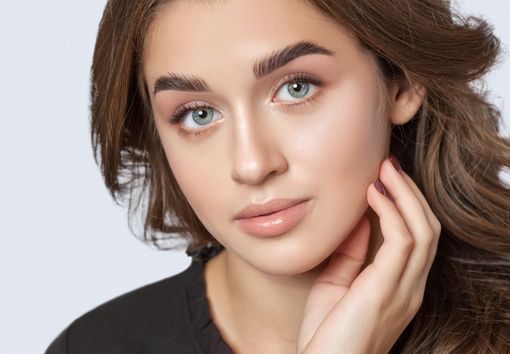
(276, 222)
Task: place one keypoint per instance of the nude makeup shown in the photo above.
(275, 223)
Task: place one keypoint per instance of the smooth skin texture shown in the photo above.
(347, 312)
(301, 291)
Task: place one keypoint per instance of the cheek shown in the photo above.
(348, 138)
(342, 157)
(193, 180)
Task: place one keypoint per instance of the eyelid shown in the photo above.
(185, 108)
(295, 77)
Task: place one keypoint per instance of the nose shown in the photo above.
(256, 153)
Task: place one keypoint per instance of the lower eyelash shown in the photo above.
(185, 133)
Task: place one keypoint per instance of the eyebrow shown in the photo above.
(262, 67)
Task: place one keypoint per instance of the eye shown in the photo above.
(296, 87)
(195, 118)
(194, 115)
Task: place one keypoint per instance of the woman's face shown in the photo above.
(262, 135)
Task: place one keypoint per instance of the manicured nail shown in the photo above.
(380, 187)
(395, 163)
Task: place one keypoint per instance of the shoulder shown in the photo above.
(151, 319)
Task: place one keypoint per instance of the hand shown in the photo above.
(348, 312)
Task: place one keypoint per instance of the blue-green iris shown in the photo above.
(203, 115)
(298, 89)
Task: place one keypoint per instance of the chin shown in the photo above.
(288, 261)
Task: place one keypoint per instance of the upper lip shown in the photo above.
(267, 208)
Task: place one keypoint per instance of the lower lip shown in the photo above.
(274, 224)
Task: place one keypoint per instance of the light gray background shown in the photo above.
(66, 246)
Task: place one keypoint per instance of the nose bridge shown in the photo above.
(256, 153)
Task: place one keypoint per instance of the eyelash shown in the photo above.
(179, 114)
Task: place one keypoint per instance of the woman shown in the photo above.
(266, 134)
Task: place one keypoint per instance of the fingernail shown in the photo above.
(395, 163)
(380, 187)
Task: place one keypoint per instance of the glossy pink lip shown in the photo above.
(276, 223)
(267, 208)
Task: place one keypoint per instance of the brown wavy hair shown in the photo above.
(451, 148)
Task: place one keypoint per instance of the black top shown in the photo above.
(164, 317)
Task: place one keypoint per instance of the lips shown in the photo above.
(272, 219)
(270, 207)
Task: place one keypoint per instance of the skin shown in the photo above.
(301, 291)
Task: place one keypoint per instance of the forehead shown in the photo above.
(185, 36)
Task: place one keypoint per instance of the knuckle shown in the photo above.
(415, 304)
(429, 238)
(407, 243)
(438, 228)
(428, 245)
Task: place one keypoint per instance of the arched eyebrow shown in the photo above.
(262, 67)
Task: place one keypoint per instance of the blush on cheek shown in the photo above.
(349, 140)
(189, 181)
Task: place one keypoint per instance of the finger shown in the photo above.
(414, 216)
(406, 201)
(391, 258)
(413, 208)
(431, 217)
(435, 224)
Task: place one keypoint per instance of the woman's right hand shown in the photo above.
(348, 312)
